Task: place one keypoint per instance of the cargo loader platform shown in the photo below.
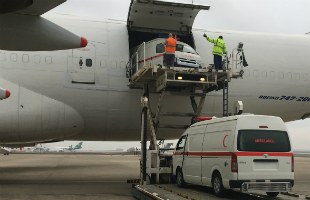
(146, 72)
(177, 78)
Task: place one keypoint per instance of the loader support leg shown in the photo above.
(144, 116)
(144, 142)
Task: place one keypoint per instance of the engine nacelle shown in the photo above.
(35, 33)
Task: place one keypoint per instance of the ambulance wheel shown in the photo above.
(272, 194)
(180, 180)
(217, 184)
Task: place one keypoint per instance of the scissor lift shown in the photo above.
(192, 82)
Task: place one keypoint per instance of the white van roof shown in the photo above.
(160, 40)
(245, 119)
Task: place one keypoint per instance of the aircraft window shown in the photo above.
(264, 74)
(255, 73)
(281, 75)
(247, 73)
(89, 62)
(160, 49)
(13, 57)
(37, 59)
(305, 77)
(25, 58)
(272, 74)
(113, 64)
(289, 75)
(2, 56)
(181, 143)
(123, 65)
(297, 76)
(185, 49)
(103, 63)
(48, 59)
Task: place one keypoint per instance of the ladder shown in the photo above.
(225, 99)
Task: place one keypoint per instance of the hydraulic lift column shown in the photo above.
(144, 105)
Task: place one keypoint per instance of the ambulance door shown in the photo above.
(179, 152)
(192, 158)
(82, 65)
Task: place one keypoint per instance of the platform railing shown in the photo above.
(136, 61)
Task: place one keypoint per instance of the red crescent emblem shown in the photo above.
(224, 141)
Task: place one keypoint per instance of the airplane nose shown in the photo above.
(83, 42)
(7, 93)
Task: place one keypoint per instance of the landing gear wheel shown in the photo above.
(272, 194)
(218, 187)
(180, 181)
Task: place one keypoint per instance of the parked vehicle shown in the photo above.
(185, 55)
(249, 152)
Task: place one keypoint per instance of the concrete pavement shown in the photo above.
(74, 176)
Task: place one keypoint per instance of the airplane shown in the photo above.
(18, 149)
(78, 146)
(63, 149)
(82, 94)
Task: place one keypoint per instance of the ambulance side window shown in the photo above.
(181, 143)
(160, 49)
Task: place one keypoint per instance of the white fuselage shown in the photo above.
(48, 102)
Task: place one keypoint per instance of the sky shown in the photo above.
(276, 16)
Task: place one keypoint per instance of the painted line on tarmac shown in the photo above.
(177, 193)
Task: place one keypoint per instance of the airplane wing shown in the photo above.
(26, 30)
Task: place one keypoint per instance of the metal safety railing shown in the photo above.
(136, 61)
(234, 63)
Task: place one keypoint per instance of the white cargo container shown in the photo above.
(250, 152)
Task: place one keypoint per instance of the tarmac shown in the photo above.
(83, 176)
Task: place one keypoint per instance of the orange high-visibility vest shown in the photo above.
(170, 47)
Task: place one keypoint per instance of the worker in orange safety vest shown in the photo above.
(169, 56)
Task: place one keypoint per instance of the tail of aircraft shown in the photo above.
(78, 146)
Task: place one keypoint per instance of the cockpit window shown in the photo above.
(185, 49)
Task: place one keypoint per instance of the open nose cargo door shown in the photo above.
(162, 16)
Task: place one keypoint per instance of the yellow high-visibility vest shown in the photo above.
(219, 46)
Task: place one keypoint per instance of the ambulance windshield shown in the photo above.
(185, 49)
(263, 141)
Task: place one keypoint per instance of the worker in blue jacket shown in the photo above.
(218, 50)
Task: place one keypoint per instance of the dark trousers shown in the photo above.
(168, 60)
(218, 62)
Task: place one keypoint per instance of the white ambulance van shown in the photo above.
(250, 152)
(185, 55)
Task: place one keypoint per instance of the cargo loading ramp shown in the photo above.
(149, 15)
